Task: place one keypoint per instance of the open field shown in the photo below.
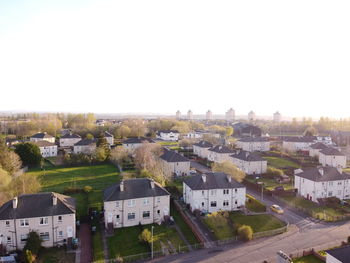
(280, 163)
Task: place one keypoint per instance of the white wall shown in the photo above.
(332, 160)
(48, 151)
(250, 167)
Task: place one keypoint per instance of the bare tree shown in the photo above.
(119, 155)
(229, 168)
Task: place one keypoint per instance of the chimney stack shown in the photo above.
(152, 183)
(340, 169)
(321, 171)
(204, 178)
(121, 186)
(15, 202)
(54, 200)
(229, 178)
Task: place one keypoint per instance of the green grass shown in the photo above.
(219, 226)
(270, 184)
(168, 143)
(82, 204)
(164, 233)
(308, 259)
(185, 229)
(279, 162)
(255, 205)
(55, 255)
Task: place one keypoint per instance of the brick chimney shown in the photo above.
(152, 184)
(122, 186)
(229, 178)
(54, 200)
(204, 178)
(15, 202)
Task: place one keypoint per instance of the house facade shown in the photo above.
(212, 192)
(131, 144)
(85, 146)
(248, 162)
(174, 163)
(332, 157)
(254, 144)
(51, 215)
(338, 255)
(109, 137)
(168, 135)
(42, 136)
(295, 144)
(69, 139)
(47, 149)
(315, 149)
(201, 149)
(135, 201)
(322, 182)
(219, 153)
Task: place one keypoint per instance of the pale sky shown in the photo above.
(160, 56)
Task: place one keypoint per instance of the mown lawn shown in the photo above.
(308, 259)
(220, 226)
(55, 255)
(279, 162)
(255, 205)
(185, 229)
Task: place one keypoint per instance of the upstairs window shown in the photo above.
(24, 222)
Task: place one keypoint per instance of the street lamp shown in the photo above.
(152, 244)
(262, 190)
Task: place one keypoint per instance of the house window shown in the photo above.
(158, 199)
(225, 203)
(226, 191)
(117, 204)
(117, 217)
(145, 201)
(213, 192)
(24, 238)
(236, 202)
(59, 218)
(213, 204)
(131, 203)
(7, 223)
(24, 222)
(330, 193)
(44, 221)
(339, 192)
(202, 204)
(339, 183)
(8, 239)
(146, 214)
(44, 236)
(236, 190)
(331, 183)
(131, 216)
(202, 193)
(158, 212)
(60, 233)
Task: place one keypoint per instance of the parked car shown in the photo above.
(277, 209)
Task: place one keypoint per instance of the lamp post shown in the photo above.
(262, 190)
(152, 243)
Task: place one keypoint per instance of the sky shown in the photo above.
(132, 56)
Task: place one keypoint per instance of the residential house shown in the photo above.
(316, 148)
(174, 163)
(211, 192)
(338, 255)
(51, 215)
(135, 201)
(322, 182)
(341, 138)
(69, 139)
(242, 129)
(42, 136)
(219, 153)
(254, 144)
(131, 144)
(109, 137)
(47, 149)
(296, 144)
(249, 162)
(85, 146)
(168, 135)
(332, 157)
(201, 149)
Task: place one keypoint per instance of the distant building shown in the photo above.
(341, 138)
(85, 146)
(251, 116)
(109, 137)
(295, 144)
(242, 129)
(332, 157)
(178, 115)
(174, 163)
(212, 192)
(42, 136)
(131, 144)
(201, 149)
(189, 115)
(230, 115)
(168, 135)
(248, 162)
(47, 149)
(219, 153)
(316, 148)
(277, 117)
(253, 144)
(69, 139)
(209, 115)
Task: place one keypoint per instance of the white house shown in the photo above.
(248, 162)
(109, 137)
(201, 149)
(338, 255)
(316, 148)
(47, 149)
(168, 135)
(135, 201)
(254, 144)
(51, 215)
(332, 157)
(294, 144)
(131, 144)
(174, 163)
(194, 135)
(219, 153)
(69, 139)
(85, 146)
(211, 192)
(322, 182)
(42, 136)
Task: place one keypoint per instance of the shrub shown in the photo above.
(245, 233)
(87, 189)
(72, 190)
(145, 236)
(33, 243)
(29, 256)
(274, 171)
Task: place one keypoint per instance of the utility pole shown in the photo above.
(152, 243)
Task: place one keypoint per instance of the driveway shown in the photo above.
(85, 243)
(200, 167)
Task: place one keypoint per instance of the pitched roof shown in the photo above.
(331, 151)
(86, 142)
(172, 156)
(221, 149)
(37, 205)
(137, 140)
(44, 143)
(203, 144)
(253, 139)
(341, 253)
(107, 134)
(133, 188)
(306, 139)
(167, 131)
(318, 146)
(41, 135)
(323, 174)
(71, 136)
(212, 181)
(247, 156)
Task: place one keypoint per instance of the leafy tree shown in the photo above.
(24, 184)
(245, 233)
(29, 154)
(310, 131)
(145, 236)
(89, 136)
(230, 169)
(33, 243)
(123, 132)
(9, 160)
(229, 131)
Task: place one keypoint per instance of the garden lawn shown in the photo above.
(308, 259)
(255, 205)
(270, 184)
(220, 226)
(164, 234)
(279, 162)
(185, 229)
(55, 255)
(259, 223)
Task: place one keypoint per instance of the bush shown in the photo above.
(87, 189)
(274, 171)
(29, 256)
(245, 233)
(145, 236)
(33, 243)
(72, 190)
